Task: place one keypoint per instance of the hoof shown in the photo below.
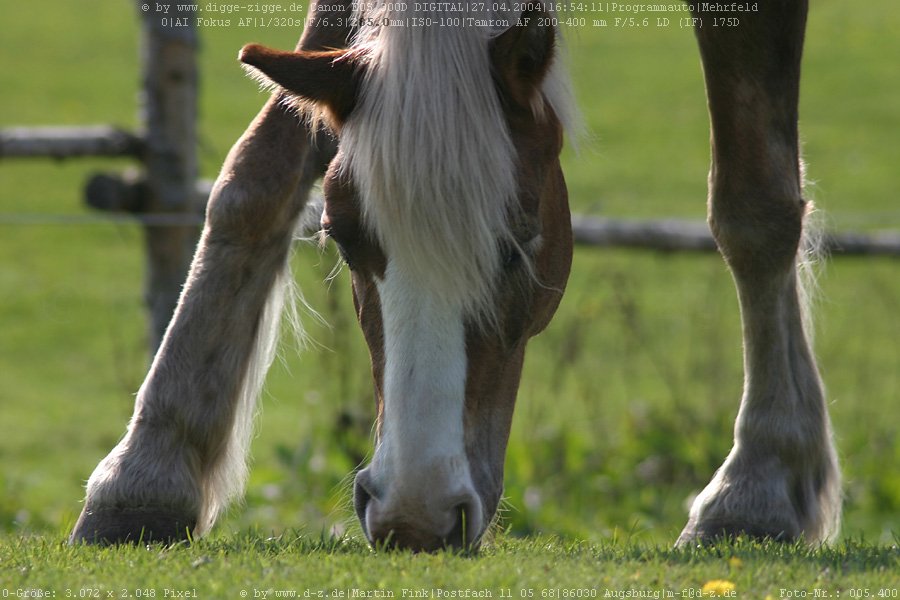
(710, 532)
(131, 526)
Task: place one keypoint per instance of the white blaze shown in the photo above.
(421, 452)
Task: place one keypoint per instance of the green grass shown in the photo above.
(251, 565)
(627, 401)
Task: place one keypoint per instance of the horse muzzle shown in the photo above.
(423, 517)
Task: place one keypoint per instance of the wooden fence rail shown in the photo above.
(68, 142)
(677, 235)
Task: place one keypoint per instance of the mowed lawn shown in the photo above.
(627, 401)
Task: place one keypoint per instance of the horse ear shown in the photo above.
(522, 55)
(329, 79)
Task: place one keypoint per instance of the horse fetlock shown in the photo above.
(763, 496)
(133, 498)
(729, 507)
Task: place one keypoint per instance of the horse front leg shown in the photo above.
(183, 457)
(781, 478)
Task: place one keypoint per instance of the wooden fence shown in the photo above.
(679, 236)
(167, 198)
(165, 147)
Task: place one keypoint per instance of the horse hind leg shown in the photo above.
(781, 478)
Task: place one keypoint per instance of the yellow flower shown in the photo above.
(735, 563)
(718, 587)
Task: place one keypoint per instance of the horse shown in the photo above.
(445, 197)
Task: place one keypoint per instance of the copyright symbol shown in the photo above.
(243, 593)
(145, 7)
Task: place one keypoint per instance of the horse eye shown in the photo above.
(512, 259)
(514, 254)
(329, 232)
(344, 255)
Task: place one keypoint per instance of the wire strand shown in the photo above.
(69, 219)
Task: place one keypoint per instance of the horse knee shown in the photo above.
(757, 231)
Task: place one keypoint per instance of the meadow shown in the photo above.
(627, 401)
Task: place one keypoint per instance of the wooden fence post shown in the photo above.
(169, 110)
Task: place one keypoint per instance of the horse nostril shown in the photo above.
(465, 532)
(362, 495)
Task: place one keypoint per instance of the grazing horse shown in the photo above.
(446, 199)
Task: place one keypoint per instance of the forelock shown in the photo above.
(431, 154)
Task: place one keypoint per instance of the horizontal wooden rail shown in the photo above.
(115, 194)
(128, 192)
(68, 142)
(849, 243)
(669, 235)
(678, 236)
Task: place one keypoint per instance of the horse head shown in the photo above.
(448, 204)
